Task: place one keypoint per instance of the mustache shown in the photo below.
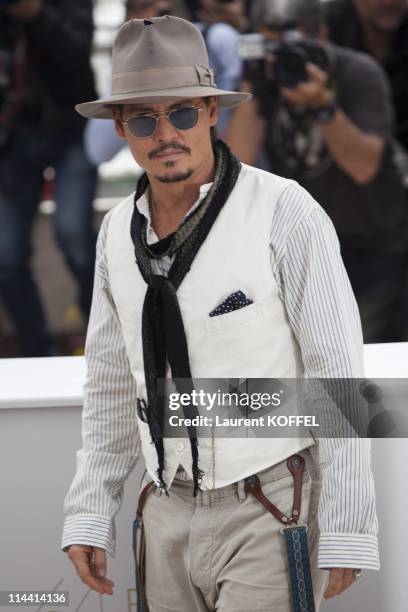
(168, 145)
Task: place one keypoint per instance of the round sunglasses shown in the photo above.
(144, 126)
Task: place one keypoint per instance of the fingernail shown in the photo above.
(101, 572)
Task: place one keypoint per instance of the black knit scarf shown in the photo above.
(163, 332)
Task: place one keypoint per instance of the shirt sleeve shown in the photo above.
(324, 317)
(110, 436)
(364, 94)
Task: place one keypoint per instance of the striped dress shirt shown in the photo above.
(321, 308)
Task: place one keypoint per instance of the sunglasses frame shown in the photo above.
(165, 114)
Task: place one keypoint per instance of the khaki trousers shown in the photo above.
(224, 551)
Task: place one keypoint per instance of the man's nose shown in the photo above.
(164, 129)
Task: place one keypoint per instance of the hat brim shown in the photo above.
(101, 109)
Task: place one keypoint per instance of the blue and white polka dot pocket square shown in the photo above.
(235, 301)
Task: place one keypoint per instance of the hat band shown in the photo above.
(161, 78)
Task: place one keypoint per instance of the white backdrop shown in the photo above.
(40, 424)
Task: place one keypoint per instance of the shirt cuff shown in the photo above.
(355, 550)
(89, 530)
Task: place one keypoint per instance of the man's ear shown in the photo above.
(213, 111)
(117, 117)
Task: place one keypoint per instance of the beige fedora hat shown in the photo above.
(159, 59)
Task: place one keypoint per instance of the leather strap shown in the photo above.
(142, 498)
(296, 466)
(140, 559)
(253, 485)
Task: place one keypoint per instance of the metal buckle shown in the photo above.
(252, 481)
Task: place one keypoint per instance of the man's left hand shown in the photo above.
(340, 579)
(312, 93)
(25, 10)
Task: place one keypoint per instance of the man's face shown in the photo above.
(385, 15)
(169, 154)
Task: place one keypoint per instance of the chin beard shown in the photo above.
(176, 177)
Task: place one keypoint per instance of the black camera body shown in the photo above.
(283, 62)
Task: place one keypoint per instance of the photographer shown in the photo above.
(324, 116)
(380, 29)
(45, 68)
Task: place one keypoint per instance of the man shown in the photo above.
(380, 28)
(45, 48)
(237, 274)
(332, 131)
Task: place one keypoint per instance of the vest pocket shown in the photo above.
(236, 317)
(242, 343)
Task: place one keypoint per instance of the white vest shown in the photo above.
(253, 342)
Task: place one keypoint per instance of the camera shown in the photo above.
(283, 61)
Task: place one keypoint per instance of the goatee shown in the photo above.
(176, 177)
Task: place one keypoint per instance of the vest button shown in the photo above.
(180, 446)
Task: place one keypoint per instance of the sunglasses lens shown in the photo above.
(184, 118)
(142, 126)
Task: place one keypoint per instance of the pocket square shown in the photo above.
(235, 301)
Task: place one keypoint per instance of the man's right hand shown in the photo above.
(90, 565)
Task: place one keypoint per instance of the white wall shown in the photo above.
(39, 434)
